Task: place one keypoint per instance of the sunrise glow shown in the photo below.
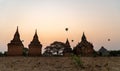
(100, 20)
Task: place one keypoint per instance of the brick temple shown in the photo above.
(35, 47)
(68, 50)
(15, 47)
(84, 48)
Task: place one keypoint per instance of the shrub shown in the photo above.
(77, 60)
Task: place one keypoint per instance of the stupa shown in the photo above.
(35, 47)
(84, 48)
(15, 47)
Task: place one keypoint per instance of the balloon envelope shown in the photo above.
(66, 29)
(108, 39)
(72, 40)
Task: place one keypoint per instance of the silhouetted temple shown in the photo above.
(84, 48)
(15, 47)
(103, 51)
(67, 50)
(35, 47)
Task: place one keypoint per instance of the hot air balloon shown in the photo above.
(66, 29)
(72, 40)
(108, 39)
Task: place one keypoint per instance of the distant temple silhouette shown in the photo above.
(84, 48)
(15, 47)
(68, 50)
(35, 47)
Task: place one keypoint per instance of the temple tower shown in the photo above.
(35, 47)
(83, 37)
(67, 51)
(15, 47)
(84, 48)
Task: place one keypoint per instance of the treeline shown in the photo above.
(2, 54)
(114, 53)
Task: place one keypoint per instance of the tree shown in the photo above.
(1, 54)
(55, 49)
(115, 53)
(25, 51)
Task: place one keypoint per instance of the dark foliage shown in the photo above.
(55, 49)
(25, 51)
(1, 54)
(115, 53)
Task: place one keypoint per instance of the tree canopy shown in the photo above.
(55, 49)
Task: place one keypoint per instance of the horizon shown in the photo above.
(100, 20)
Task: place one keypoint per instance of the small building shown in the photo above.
(84, 48)
(35, 47)
(15, 47)
(103, 51)
(67, 50)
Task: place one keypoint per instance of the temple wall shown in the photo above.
(34, 51)
(15, 51)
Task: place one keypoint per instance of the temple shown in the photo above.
(67, 51)
(84, 48)
(35, 47)
(15, 47)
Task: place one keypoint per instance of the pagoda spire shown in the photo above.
(17, 29)
(83, 37)
(35, 38)
(36, 31)
(16, 35)
(67, 43)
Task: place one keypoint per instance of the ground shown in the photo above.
(59, 64)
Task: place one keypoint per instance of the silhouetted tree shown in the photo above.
(55, 49)
(5, 53)
(48, 51)
(115, 53)
(25, 51)
(1, 54)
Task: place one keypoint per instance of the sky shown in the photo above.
(98, 19)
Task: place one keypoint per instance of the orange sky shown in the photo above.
(100, 20)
